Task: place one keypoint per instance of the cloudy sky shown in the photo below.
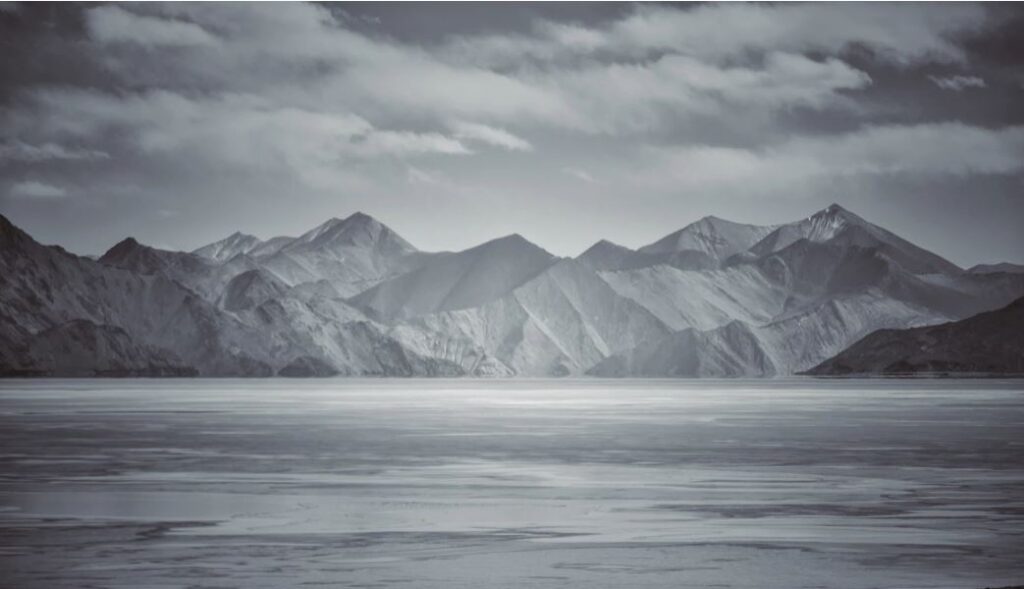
(456, 123)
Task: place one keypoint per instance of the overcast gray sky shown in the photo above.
(456, 123)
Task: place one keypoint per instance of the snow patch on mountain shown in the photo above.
(837, 225)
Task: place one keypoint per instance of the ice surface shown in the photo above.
(540, 483)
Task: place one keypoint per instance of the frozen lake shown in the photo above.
(478, 484)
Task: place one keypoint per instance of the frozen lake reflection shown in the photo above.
(586, 483)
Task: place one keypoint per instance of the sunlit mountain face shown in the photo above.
(352, 297)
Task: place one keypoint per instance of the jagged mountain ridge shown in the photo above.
(46, 288)
(704, 244)
(352, 297)
(353, 254)
(714, 237)
(151, 324)
(229, 247)
(831, 284)
(837, 225)
(605, 255)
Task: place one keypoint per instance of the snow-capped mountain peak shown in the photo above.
(838, 226)
(833, 209)
(828, 222)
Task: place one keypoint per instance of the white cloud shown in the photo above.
(579, 174)
(423, 177)
(898, 33)
(300, 55)
(901, 33)
(639, 97)
(25, 152)
(244, 132)
(790, 167)
(422, 85)
(289, 90)
(930, 148)
(490, 135)
(231, 126)
(35, 189)
(957, 83)
(405, 142)
(113, 24)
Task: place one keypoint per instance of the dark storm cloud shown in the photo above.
(270, 117)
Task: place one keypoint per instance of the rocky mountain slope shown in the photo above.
(229, 247)
(702, 245)
(987, 343)
(838, 226)
(82, 348)
(136, 314)
(458, 280)
(144, 316)
(707, 242)
(352, 297)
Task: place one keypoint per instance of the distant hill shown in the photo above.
(1000, 267)
(987, 343)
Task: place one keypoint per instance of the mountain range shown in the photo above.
(352, 297)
